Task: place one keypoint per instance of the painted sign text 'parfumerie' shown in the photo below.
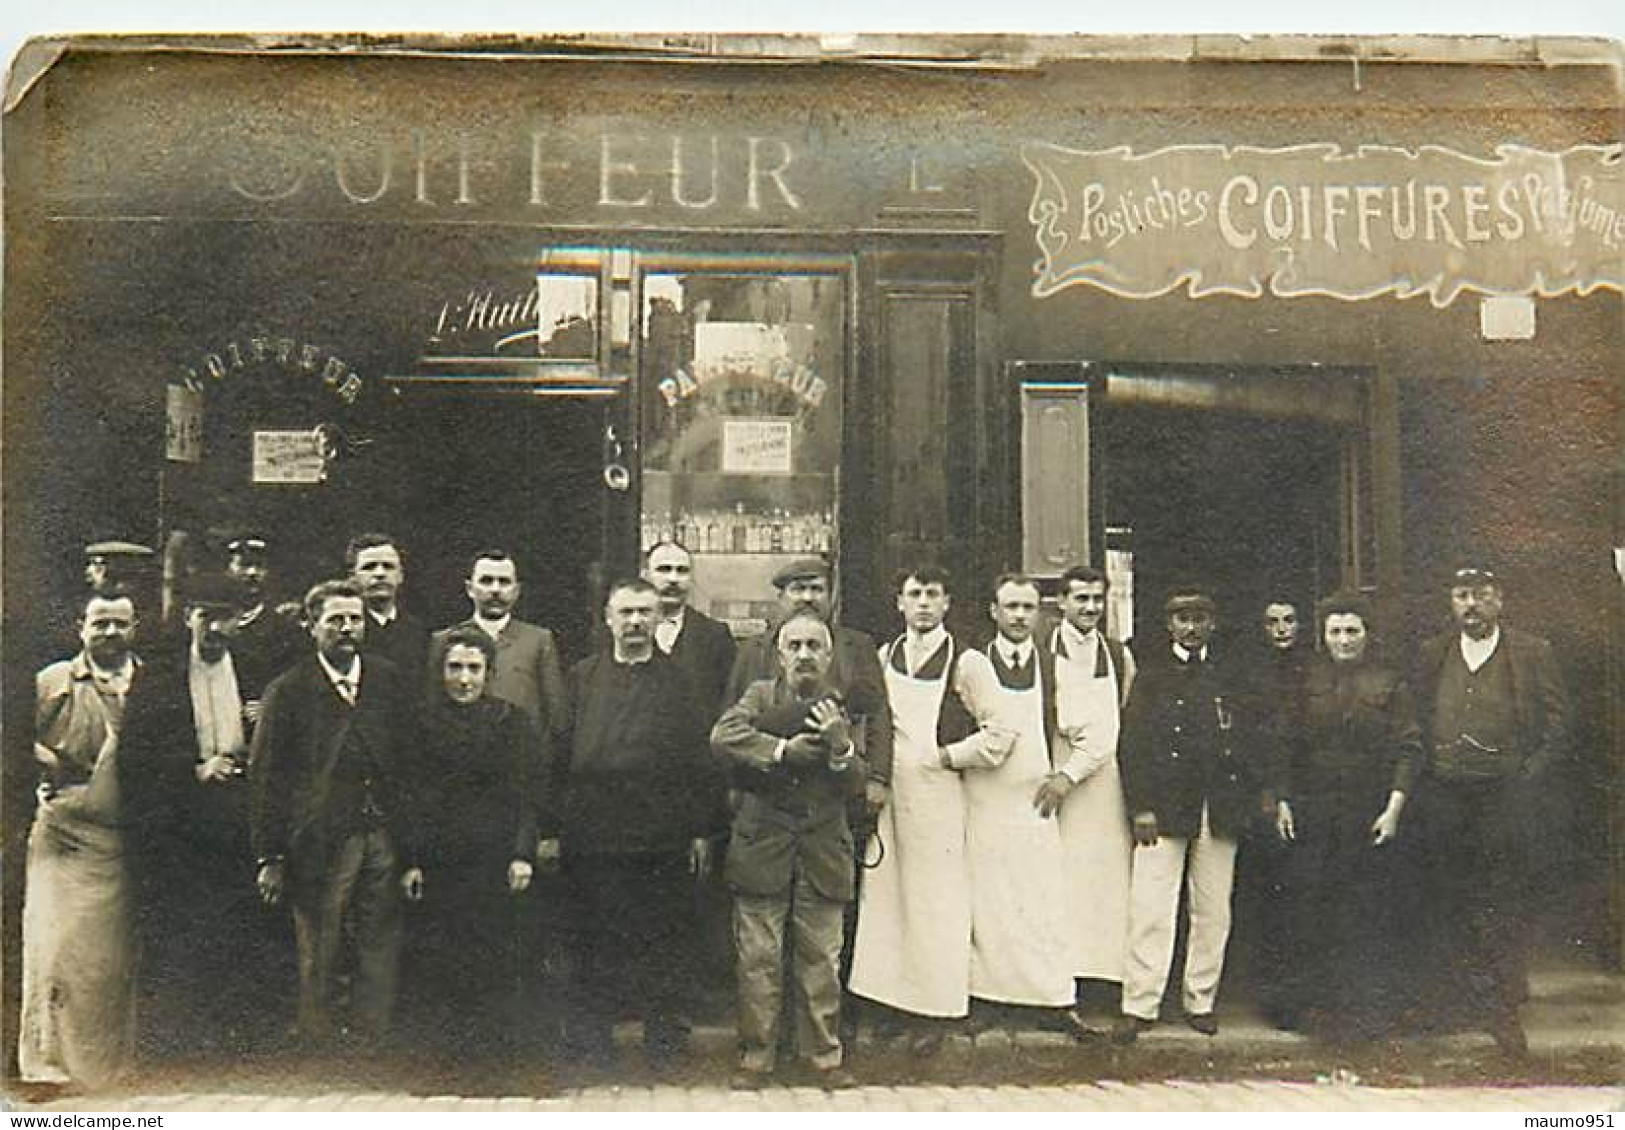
(1319, 220)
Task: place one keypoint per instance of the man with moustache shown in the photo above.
(1021, 953)
(1093, 677)
(790, 855)
(377, 564)
(1495, 720)
(702, 648)
(78, 954)
(526, 671)
(639, 800)
(333, 823)
(912, 951)
(185, 755)
(267, 638)
(804, 585)
(1192, 777)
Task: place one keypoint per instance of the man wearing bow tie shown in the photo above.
(1188, 755)
(331, 786)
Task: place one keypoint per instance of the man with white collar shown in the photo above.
(1495, 719)
(1192, 777)
(1093, 674)
(376, 562)
(912, 951)
(527, 671)
(702, 648)
(334, 828)
(1020, 952)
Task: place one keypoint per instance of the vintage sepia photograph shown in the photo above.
(774, 571)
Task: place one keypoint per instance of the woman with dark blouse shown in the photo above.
(1346, 778)
(479, 818)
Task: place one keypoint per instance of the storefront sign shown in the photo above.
(286, 353)
(1319, 220)
(183, 424)
(289, 457)
(757, 447)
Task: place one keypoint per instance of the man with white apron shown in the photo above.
(914, 910)
(1092, 679)
(1020, 951)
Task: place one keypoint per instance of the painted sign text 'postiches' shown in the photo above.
(1315, 220)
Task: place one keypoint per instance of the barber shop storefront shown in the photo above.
(1275, 316)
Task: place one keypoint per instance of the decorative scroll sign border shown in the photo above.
(1316, 220)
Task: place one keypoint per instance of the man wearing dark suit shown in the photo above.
(183, 765)
(527, 671)
(790, 856)
(804, 585)
(1495, 719)
(332, 790)
(1190, 755)
(376, 563)
(702, 648)
(640, 799)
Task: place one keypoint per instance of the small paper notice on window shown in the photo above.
(289, 457)
(757, 447)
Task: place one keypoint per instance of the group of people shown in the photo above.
(918, 825)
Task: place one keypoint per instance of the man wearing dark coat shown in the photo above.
(639, 799)
(333, 824)
(1192, 779)
(268, 638)
(790, 855)
(376, 563)
(1495, 720)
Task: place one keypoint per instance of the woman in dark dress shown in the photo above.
(479, 815)
(1343, 789)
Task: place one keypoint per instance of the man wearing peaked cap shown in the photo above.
(110, 563)
(1495, 722)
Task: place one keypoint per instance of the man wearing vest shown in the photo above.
(1495, 717)
(1190, 757)
(1093, 674)
(912, 951)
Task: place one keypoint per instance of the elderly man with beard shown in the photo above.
(640, 801)
(77, 954)
(790, 857)
(1495, 720)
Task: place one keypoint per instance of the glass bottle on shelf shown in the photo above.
(776, 534)
(741, 529)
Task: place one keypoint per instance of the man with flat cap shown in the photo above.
(1495, 719)
(1190, 754)
(109, 564)
(804, 584)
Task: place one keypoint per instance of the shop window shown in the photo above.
(741, 427)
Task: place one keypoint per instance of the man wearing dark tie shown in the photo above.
(332, 826)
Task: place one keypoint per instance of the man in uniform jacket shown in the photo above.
(790, 856)
(268, 637)
(332, 790)
(1192, 767)
(1495, 722)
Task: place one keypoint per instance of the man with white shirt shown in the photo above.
(1093, 675)
(334, 829)
(1020, 951)
(376, 562)
(1190, 756)
(702, 648)
(912, 951)
(1495, 719)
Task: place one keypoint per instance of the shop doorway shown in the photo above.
(478, 469)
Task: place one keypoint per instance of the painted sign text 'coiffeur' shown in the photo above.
(1318, 220)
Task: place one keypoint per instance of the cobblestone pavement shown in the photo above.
(1173, 1095)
